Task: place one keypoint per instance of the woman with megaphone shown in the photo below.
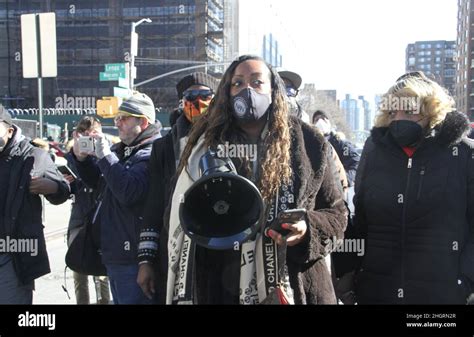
(289, 169)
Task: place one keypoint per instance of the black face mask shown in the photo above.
(405, 132)
(249, 105)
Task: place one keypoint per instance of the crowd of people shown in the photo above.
(412, 210)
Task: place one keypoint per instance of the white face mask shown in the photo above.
(324, 126)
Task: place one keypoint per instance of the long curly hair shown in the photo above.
(219, 125)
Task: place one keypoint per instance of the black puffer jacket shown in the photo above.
(417, 216)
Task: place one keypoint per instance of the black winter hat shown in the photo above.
(196, 79)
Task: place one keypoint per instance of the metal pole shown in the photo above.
(40, 75)
(40, 106)
(132, 56)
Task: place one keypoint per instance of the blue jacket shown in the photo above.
(126, 176)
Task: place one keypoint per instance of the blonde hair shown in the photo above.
(433, 101)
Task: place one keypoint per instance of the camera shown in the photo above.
(86, 144)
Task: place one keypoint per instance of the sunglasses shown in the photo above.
(192, 95)
(291, 92)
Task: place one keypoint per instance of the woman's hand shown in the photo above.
(298, 231)
(146, 279)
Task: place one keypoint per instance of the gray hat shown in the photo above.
(5, 116)
(292, 77)
(139, 105)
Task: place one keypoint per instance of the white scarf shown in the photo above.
(262, 262)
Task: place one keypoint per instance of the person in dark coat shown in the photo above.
(195, 92)
(291, 171)
(25, 173)
(123, 168)
(414, 200)
(84, 203)
(344, 149)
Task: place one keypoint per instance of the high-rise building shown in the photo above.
(267, 38)
(90, 34)
(464, 92)
(436, 59)
(359, 114)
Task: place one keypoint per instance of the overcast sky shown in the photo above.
(358, 46)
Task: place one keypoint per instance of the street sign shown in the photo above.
(113, 71)
(108, 76)
(115, 68)
(122, 92)
(38, 45)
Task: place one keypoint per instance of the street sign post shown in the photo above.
(38, 46)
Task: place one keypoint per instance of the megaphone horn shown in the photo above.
(222, 208)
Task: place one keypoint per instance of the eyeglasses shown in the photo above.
(121, 117)
(291, 92)
(192, 95)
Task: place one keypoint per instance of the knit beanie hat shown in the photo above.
(139, 105)
(197, 78)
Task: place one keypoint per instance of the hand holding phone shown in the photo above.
(64, 169)
(288, 216)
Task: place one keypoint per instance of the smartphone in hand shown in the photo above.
(64, 169)
(288, 216)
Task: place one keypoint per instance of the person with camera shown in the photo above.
(414, 199)
(26, 172)
(291, 171)
(195, 92)
(124, 171)
(84, 203)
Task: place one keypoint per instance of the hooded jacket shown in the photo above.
(417, 217)
(22, 218)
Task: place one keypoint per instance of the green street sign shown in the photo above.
(116, 68)
(104, 76)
